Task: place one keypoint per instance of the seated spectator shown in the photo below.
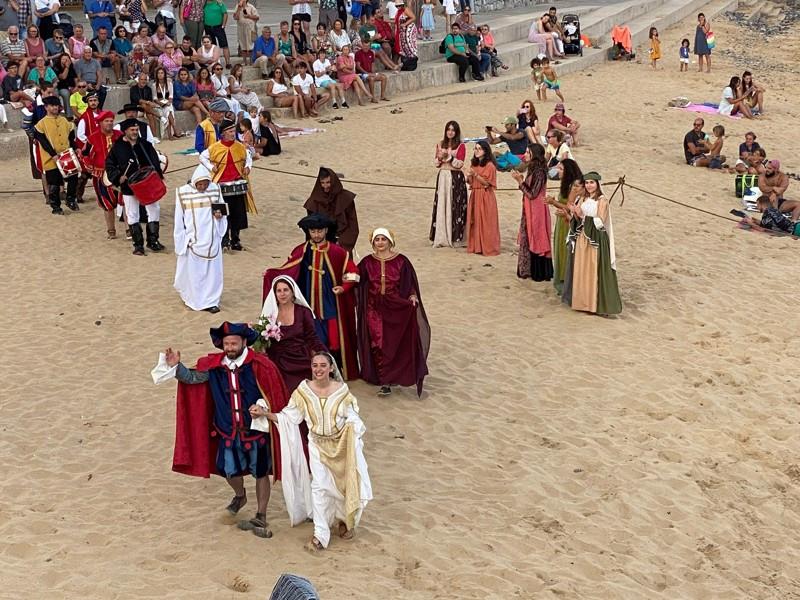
(89, 70)
(515, 139)
(347, 76)
(715, 158)
(773, 219)
(66, 83)
(13, 86)
(321, 41)
(539, 34)
(269, 140)
(246, 17)
(322, 78)
(77, 101)
(41, 72)
(372, 39)
(170, 60)
(305, 88)
(265, 53)
(208, 54)
(469, 29)
(385, 34)
(302, 50)
(286, 49)
(123, 47)
(13, 50)
(457, 52)
(159, 41)
(141, 96)
(246, 97)
(34, 45)
(222, 89)
(163, 97)
(695, 146)
(365, 59)
(773, 183)
(561, 122)
(553, 27)
(731, 105)
(55, 47)
(282, 95)
(186, 96)
(204, 87)
(528, 122)
(103, 51)
(556, 151)
(352, 33)
(338, 37)
(752, 93)
(77, 42)
(488, 47)
(188, 54)
(142, 56)
(247, 137)
(746, 149)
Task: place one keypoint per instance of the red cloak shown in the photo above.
(195, 438)
(344, 272)
(96, 150)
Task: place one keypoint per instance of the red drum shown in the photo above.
(147, 186)
(68, 163)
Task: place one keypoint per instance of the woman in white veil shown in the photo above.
(286, 307)
(340, 484)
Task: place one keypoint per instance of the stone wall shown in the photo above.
(480, 6)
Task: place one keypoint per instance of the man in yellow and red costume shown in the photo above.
(229, 163)
(327, 276)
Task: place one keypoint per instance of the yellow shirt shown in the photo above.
(56, 130)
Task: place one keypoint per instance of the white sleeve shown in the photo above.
(248, 163)
(589, 208)
(179, 230)
(81, 131)
(295, 478)
(205, 160)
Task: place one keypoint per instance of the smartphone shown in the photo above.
(738, 213)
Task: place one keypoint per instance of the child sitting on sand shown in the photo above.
(684, 54)
(550, 78)
(716, 161)
(655, 47)
(538, 79)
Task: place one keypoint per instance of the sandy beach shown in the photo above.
(552, 455)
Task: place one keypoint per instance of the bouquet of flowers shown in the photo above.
(267, 330)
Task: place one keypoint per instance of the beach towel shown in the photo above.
(621, 34)
(707, 108)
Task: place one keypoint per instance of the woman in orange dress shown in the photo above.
(483, 227)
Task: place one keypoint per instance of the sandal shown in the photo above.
(344, 532)
(314, 546)
(236, 504)
(384, 391)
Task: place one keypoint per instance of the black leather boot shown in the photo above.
(152, 237)
(54, 198)
(235, 243)
(138, 239)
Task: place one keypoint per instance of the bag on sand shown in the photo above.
(743, 182)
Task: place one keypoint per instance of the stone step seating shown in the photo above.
(662, 16)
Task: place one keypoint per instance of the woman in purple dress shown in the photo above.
(286, 306)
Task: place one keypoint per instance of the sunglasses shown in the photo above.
(58, 38)
(81, 87)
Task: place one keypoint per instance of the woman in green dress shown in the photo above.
(571, 187)
(590, 281)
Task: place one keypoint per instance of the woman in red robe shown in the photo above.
(393, 332)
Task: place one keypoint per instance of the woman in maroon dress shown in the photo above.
(393, 331)
(286, 306)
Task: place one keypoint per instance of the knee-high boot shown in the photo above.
(138, 239)
(152, 237)
(111, 228)
(235, 243)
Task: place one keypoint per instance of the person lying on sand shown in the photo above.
(772, 219)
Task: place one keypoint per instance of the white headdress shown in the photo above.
(200, 173)
(384, 232)
(270, 308)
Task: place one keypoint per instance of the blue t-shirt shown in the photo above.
(99, 6)
(182, 90)
(122, 45)
(684, 52)
(265, 47)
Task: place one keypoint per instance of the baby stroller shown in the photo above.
(66, 24)
(571, 25)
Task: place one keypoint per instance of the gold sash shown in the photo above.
(338, 453)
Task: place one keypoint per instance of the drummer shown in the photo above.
(229, 163)
(53, 133)
(95, 152)
(131, 111)
(126, 156)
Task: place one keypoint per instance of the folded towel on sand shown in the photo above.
(709, 109)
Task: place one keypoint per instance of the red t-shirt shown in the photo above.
(365, 58)
(563, 121)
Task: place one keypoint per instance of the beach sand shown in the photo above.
(553, 454)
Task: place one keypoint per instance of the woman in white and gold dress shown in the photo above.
(340, 485)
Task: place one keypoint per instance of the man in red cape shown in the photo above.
(86, 126)
(327, 276)
(213, 426)
(94, 155)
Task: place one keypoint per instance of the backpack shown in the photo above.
(743, 182)
(443, 46)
